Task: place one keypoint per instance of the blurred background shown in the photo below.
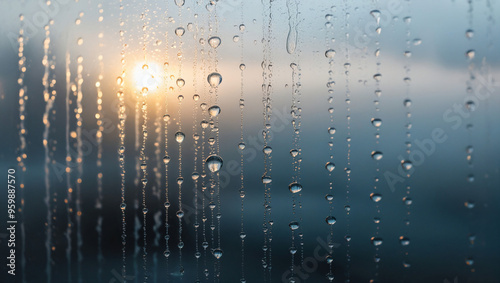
(442, 129)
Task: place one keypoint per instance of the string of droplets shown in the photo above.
(267, 112)
(204, 125)
(330, 165)
(166, 158)
(377, 155)
(471, 107)
(144, 165)
(23, 97)
(179, 136)
(121, 135)
(214, 161)
(195, 176)
(70, 88)
(407, 164)
(241, 144)
(100, 129)
(295, 187)
(49, 97)
(347, 206)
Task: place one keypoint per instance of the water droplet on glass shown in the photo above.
(377, 155)
(470, 105)
(376, 15)
(330, 220)
(407, 165)
(470, 54)
(330, 166)
(180, 31)
(180, 82)
(404, 241)
(179, 137)
(267, 150)
(214, 79)
(330, 53)
(214, 41)
(294, 225)
(217, 253)
(469, 33)
(376, 122)
(241, 145)
(214, 163)
(214, 111)
(295, 187)
(376, 197)
(376, 241)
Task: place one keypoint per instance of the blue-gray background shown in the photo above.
(440, 223)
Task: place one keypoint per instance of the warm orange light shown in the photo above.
(147, 77)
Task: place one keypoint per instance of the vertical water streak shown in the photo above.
(49, 101)
(121, 135)
(204, 125)
(470, 106)
(179, 136)
(241, 145)
(217, 252)
(295, 186)
(347, 206)
(79, 161)
(144, 166)
(69, 189)
(100, 129)
(266, 132)
(166, 158)
(293, 12)
(23, 97)
(376, 155)
(330, 165)
(406, 164)
(195, 175)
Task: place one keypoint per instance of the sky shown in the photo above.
(439, 71)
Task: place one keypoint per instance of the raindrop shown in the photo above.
(469, 33)
(330, 220)
(217, 253)
(295, 187)
(214, 111)
(377, 155)
(376, 122)
(470, 105)
(294, 225)
(330, 53)
(179, 137)
(214, 163)
(376, 197)
(180, 31)
(330, 166)
(376, 241)
(214, 79)
(404, 241)
(470, 54)
(214, 41)
(376, 14)
(407, 165)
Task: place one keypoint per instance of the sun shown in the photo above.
(147, 77)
